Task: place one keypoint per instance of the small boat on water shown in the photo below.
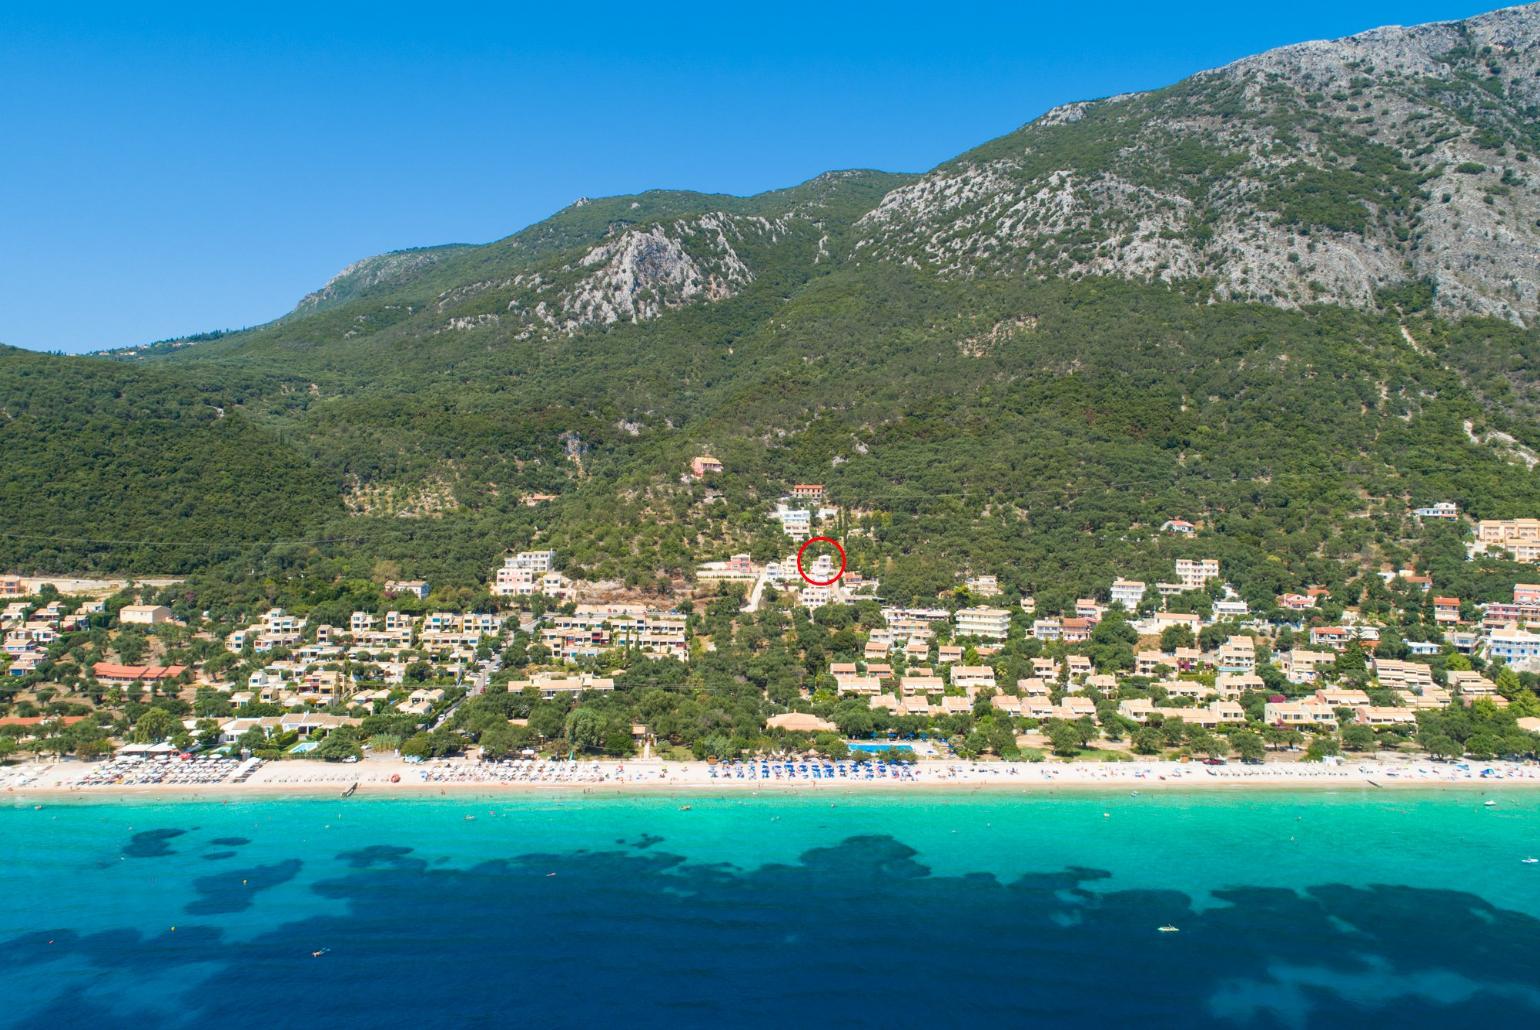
(1489, 804)
(1168, 928)
(1529, 861)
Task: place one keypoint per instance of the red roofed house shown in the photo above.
(1334, 637)
(704, 466)
(1446, 609)
(116, 675)
(1075, 630)
(808, 491)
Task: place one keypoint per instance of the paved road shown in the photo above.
(475, 684)
(756, 593)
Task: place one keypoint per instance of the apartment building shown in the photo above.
(983, 622)
(529, 573)
(973, 677)
(1193, 574)
(1076, 630)
(1446, 610)
(1397, 675)
(1381, 716)
(1471, 684)
(593, 629)
(1519, 537)
(1299, 714)
(1128, 593)
(1513, 645)
(1342, 697)
(983, 586)
(1238, 654)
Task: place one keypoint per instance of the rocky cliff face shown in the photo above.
(636, 274)
(603, 262)
(381, 270)
(641, 273)
(1319, 173)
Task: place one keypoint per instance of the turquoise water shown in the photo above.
(1308, 909)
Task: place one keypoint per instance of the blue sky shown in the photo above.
(171, 169)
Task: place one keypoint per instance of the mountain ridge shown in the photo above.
(1238, 176)
(1351, 211)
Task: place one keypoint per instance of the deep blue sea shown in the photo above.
(1294, 910)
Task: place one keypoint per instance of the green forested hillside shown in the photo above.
(1048, 452)
(977, 402)
(111, 468)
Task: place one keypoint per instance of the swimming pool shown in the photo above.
(874, 748)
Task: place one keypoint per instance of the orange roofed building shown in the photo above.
(124, 675)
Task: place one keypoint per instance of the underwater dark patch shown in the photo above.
(72, 1009)
(235, 890)
(152, 843)
(855, 932)
(381, 854)
(117, 949)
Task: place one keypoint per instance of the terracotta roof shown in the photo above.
(799, 722)
(111, 670)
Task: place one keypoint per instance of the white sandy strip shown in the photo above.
(393, 777)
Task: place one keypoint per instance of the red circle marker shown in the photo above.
(810, 579)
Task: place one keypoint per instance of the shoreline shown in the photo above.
(35, 783)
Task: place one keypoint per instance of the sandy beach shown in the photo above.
(382, 777)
